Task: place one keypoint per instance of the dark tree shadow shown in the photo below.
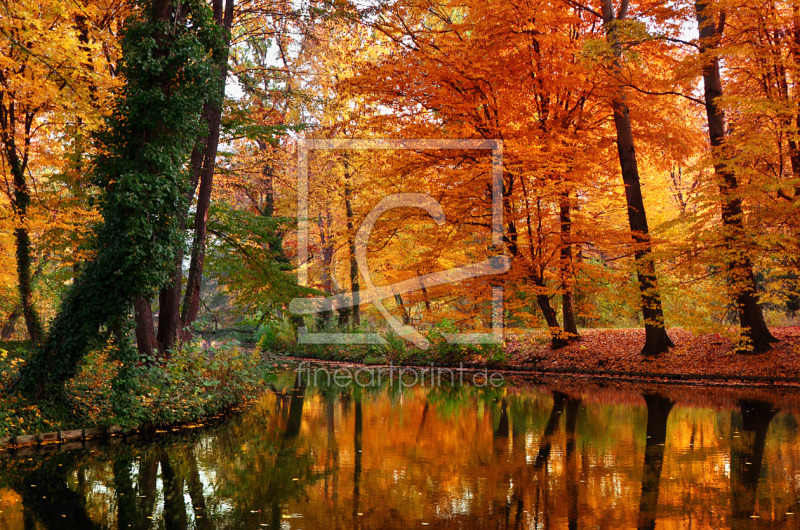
(571, 468)
(559, 399)
(47, 500)
(658, 408)
(747, 453)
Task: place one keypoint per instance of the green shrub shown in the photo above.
(276, 335)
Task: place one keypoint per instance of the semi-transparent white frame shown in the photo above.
(306, 145)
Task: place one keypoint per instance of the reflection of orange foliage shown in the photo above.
(10, 509)
(430, 459)
(469, 458)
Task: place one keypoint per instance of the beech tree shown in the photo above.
(740, 270)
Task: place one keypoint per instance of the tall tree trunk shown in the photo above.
(169, 321)
(741, 281)
(794, 149)
(535, 244)
(355, 311)
(32, 321)
(656, 339)
(568, 313)
(326, 245)
(20, 201)
(169, 314)
(557, 339)
(146, 341)
(191, 301)
(398, 298)
(11, 323)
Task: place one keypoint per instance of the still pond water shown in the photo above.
(552, 453)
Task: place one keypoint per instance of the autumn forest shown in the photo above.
(176, 171)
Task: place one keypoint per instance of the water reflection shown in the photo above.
(534, 454)
(658, 407)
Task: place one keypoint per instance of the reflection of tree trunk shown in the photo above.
(49, 499)
(148, 474)
(332, 460)
(275, 513)
(174, 505)
(424, 417)
(28, 519)
(747, 453)
(658, 408)
(571, 468)
(128, 515)
(295, 409)
(357, 456)
(195, 487)
(502, 426)
(552, 424)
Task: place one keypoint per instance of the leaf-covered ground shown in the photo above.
(618, 350)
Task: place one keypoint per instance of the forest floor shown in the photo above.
(618, 351)
(604, 352)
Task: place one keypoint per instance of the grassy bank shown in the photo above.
(609, 351)
(197, 382)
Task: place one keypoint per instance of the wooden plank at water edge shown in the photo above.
(75, 434)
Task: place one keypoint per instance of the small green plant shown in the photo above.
(276, 335)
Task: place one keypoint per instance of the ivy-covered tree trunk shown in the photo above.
(173, 316)
(145, 146)
(10, 115)
(741, 281)
(656, 339)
